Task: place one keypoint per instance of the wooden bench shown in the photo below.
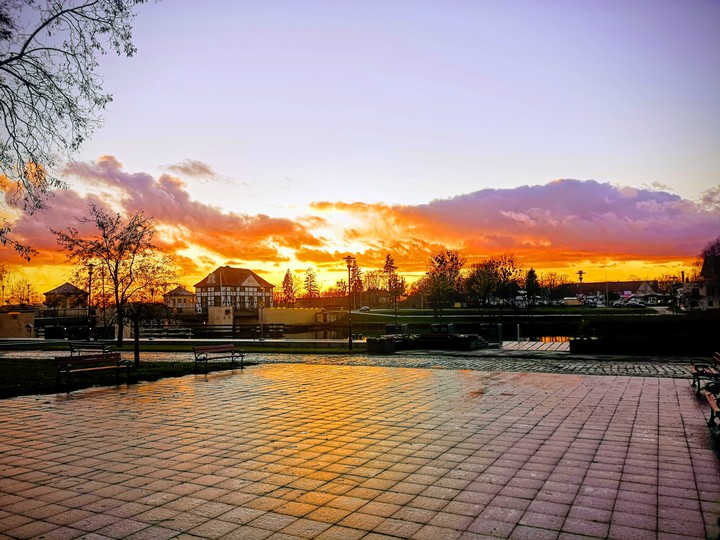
(711, 392)
(712, 400)
(203, 353)
(77, 347)
(66, 365)
(704, 370)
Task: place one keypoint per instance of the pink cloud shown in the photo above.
(558, 223)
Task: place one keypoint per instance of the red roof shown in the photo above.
(231, 277)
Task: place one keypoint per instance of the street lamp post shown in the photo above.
(261, 306)
(349, 260)
(90, 267)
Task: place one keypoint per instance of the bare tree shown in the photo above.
(3, 277)
(125, 250)
(443, 275)
(22, 292)
(482, 281)
(341, 288)
(556, 286)
(373, 286)
(711, 249)
(50, 94)
(509, 272)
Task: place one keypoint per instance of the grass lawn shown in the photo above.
(28, 376)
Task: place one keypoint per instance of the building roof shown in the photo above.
(66, 289)
(233, 277)
(179, 291)
(638, 287)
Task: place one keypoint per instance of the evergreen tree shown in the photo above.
(532, 286)
(311, 284)
(288, 286)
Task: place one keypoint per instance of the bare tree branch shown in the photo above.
(51, 97)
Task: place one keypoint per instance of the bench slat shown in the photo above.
(203, 353)
(66, 365)
(704, 370)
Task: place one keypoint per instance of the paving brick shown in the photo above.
(416, 453)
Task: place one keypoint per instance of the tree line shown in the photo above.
(496, 280)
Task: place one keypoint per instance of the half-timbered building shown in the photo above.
(240, 288)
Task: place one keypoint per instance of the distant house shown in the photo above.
(237, 287)
(180, 300)
(66, 296)
(641, 289)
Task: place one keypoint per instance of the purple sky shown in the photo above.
(278, 135)
(290, 102)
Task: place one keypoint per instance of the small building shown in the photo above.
(66, 296)
(238, 288)
(180, 300)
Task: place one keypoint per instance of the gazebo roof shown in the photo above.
(66, 289)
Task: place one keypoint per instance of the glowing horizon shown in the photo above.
(283, 135)
(609, 232)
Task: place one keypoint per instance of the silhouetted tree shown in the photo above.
(712, 248)
(50, 94)
(481, 281)
(509, 272)
(311, 285)
(290, 287)
(532, 286)
(443, 276)
(356, 279)
(374, 286)
(554, 285)
(22, 292)
(125, 249)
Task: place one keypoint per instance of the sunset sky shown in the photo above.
(277, 135)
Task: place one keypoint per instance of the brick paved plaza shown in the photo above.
(332, 451)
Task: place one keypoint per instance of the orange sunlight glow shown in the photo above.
(609, 232)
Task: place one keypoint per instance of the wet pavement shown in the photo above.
(487, 446)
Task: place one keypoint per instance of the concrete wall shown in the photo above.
(13, 324)
(297, 315)
(220, 315)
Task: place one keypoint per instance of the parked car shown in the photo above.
(364, 308)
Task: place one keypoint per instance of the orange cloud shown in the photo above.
(562, 224)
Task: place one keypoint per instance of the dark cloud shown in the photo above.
(192, 168)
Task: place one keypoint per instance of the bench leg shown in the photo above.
(696, 384)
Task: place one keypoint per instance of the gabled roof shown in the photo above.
(179, 291)
(66, 289)
(233, 277)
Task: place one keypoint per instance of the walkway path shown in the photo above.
(289, 451)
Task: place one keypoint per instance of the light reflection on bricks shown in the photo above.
(327, 450)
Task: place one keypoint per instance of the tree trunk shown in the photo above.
(136, 331)
(121, 326)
